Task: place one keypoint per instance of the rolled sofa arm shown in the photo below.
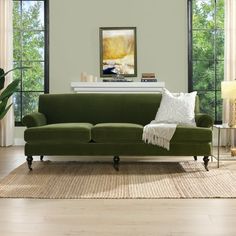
(34, 119)
(204, 120)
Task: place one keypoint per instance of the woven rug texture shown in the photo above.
(136, 180)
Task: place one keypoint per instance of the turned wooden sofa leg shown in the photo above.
(41, 158)
(195, 158)
(206, 160)
(116, 160)
(29, 161)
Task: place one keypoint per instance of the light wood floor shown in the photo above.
(112, 217)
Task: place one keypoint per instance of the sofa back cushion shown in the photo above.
(100, 108)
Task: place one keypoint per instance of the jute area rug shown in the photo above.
(79, 180)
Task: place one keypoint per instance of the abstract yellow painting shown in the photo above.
(118, 51)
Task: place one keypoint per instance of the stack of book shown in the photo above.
(148, 77)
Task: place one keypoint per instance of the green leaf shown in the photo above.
(9, 90)
(3, 105)
(3, 109)
(16, 68)
(3, 74)
(2, 114)
(2, 78)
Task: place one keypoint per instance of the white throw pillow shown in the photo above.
(177, 109)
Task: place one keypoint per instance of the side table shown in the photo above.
(219, 128)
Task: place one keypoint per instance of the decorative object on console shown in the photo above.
(148, 77)
(84, 77)
(118, 51)
(228, 91)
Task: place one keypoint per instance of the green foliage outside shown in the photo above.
(28, 50)
(208, 54)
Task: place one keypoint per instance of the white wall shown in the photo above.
(74, 39)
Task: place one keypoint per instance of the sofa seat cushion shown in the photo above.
(61, 132)
(191, 134)
(132, 133)
(117, 133)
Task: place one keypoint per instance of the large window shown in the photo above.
(30, 48)
(206, 53)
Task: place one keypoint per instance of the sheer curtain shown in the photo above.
(6, 62)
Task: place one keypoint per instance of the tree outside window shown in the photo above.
(206, 53)
(30, 48)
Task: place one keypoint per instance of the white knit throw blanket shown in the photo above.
(159, 134)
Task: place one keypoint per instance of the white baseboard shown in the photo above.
(19, 142)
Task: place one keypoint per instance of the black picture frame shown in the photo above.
(118, 51)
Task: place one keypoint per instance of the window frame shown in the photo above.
(46, 55)
(190, 57)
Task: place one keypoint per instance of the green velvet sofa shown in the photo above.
(107, 124)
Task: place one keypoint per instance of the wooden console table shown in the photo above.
(117, 87)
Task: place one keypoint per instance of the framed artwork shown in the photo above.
(118, 51)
